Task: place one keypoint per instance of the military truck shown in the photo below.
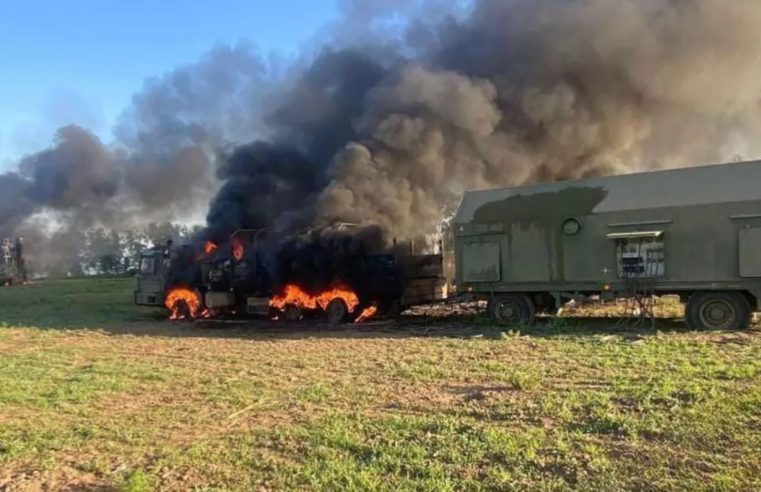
(693, 232)
(232, 279)
(12, 266)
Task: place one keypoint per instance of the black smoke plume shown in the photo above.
(401, 106)
(512, 92)
(261, 181)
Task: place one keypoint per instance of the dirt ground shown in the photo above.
(99, 395)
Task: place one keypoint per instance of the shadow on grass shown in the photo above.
(155, 323)
(563, 327)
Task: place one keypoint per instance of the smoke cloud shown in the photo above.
(161, 167)
(402, 106)
(520, 91)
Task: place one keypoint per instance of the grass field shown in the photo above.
(96, 394)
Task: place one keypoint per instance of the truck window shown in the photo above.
(148, 265)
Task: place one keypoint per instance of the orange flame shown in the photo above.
(293, 294)
(366, 314)
(238, 249)
(209, 247)
(184, 303)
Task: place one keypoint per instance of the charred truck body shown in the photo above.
(692, 232)
(242, 277)
(12, 267)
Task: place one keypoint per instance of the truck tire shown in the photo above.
(394, 309)
(291, 313)
(718, 311)
(337, 311)
(183, 310)
(512, 309)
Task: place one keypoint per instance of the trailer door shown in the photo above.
(481, 261)
(750, 252)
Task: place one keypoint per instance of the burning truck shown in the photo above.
(252, 273)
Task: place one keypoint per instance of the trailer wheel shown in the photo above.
(718, 311)
(512, 310)
(291, 313)
(337, 311)
(183, 310)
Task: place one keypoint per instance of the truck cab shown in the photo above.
(161, 268)
(151, 277)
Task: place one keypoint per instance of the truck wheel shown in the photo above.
(512, 310)
(395, 309)
(718, 311)
(337, 311)
(291, 313)
(183, 310)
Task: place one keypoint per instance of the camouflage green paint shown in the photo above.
(567, 202)
(710, 218)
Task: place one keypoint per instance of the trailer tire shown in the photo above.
(512, 309)
(718, 311)
(337, 311)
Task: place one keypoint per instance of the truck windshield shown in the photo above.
(148, 265)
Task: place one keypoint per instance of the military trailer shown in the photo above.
(693, 232)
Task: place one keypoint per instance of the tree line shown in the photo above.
(100, 251)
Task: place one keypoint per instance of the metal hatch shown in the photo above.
(750, 252)
(481, 262)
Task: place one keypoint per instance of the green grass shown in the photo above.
(72, 303)
(95, 393)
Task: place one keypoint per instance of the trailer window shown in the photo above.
(641, 257)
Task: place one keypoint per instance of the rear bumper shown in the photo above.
(149, 298)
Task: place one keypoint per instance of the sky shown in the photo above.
(80, 61)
